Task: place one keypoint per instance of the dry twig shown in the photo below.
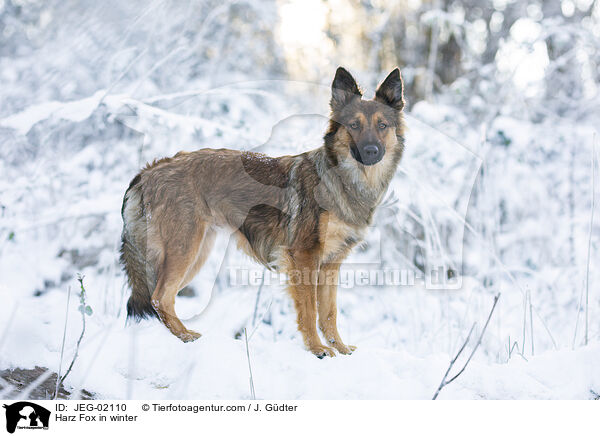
(446, 382)
(85, 310)
(252, 392)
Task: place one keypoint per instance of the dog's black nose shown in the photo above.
(368, 154)
(371, 151)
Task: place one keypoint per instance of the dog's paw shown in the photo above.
(344, 349)
(322, 351)
(189, 336)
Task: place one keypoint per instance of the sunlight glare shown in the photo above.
(302, 22)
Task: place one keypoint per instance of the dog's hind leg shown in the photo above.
(327, 307)
(206, 245)
(178, 268)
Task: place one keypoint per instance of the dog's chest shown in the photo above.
(337, 237)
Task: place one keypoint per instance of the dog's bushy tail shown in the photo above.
(140, 274)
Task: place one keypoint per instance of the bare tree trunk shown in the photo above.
(433, 50)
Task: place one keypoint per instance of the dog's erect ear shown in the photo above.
(391, 91)
(343, 89)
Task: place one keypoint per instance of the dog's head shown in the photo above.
(367, 130)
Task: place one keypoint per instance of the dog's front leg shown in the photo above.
(326, 302)
(303, 275)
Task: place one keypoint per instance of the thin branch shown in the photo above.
(547, 329)
(511, 348)
(76, 352)
(258, 298)
(478, 341)
(523, 342)
(444, 382)
(587, 269)
(267, 310)
(531, 324)
(75, 395)
(252, 392)
(62, 348)
(82, 309)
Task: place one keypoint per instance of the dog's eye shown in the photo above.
(382, 126)
(354, 125)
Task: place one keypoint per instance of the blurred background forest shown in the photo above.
(542, 56)
(497, 184)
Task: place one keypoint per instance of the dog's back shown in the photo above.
(174, 205)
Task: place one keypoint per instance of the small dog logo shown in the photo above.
(26, 415)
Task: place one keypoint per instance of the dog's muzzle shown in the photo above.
(368, 154)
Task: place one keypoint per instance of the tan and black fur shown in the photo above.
(300, 215)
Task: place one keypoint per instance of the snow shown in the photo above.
(74, 111)
(65, 219)
(146, 361)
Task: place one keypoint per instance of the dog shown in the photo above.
(299, 215)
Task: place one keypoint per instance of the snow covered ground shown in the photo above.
(491, 211)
